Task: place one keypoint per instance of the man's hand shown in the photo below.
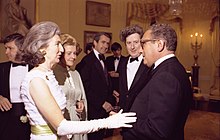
(5, 105)
(116, 95)
(113, 74)
(107, 106)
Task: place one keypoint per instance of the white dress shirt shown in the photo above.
(162, 59)
(97, 55)
(132, 70)
(17, 75)
(116, 62)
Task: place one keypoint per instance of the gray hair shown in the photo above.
(37, 38)
(165, 32)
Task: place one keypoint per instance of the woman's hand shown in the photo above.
(80, 106)
(120, 119)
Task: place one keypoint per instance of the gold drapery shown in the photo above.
(144, 11)
(149, 12)
(215, 17)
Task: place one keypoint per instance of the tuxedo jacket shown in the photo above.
(163, 105)
(17, 109)
(97, 89)
(127, 97)
(110, 63)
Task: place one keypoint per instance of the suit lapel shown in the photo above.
(141, 68)
(99, 67)
(140, 83)
(120, 61)
(170, 60)
(5, 79)
(124, 74)
(112, 63)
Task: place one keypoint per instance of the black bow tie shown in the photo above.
(133, 59)
(18, 64)
(116, 58)
(101, 57)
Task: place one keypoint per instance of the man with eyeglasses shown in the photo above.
(132, 71)
(163, 105)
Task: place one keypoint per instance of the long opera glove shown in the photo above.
(81, 127)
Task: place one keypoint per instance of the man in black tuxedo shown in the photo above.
(163, 105)
(97, 83)
(112, 63)
(14, 125)
(132, 71)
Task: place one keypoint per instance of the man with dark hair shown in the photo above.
(133, 73)
(89, 47)
(112, 63)
(163, 105)
(14, 125)
(96, 82)
(132, 70)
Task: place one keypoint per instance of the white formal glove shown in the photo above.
(120, 120)
(81, 127)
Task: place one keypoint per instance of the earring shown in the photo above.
(43, 52)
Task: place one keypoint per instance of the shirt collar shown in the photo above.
(96, 53)
(140, 57)
(162, 59)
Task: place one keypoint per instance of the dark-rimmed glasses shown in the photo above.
(143, 42)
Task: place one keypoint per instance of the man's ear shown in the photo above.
(95, 43)
(161, 45)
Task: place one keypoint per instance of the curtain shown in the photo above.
(215, 53)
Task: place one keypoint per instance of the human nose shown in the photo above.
(6, 51)
(133, 45)
(73, 55)
(106, 45)
(61, 48)
(141, 50)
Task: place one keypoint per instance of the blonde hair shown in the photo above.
(67, 39)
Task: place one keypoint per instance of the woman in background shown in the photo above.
(43, 97)
(71, 83)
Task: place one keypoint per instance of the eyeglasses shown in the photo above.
(147, 40)
(143, 42)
